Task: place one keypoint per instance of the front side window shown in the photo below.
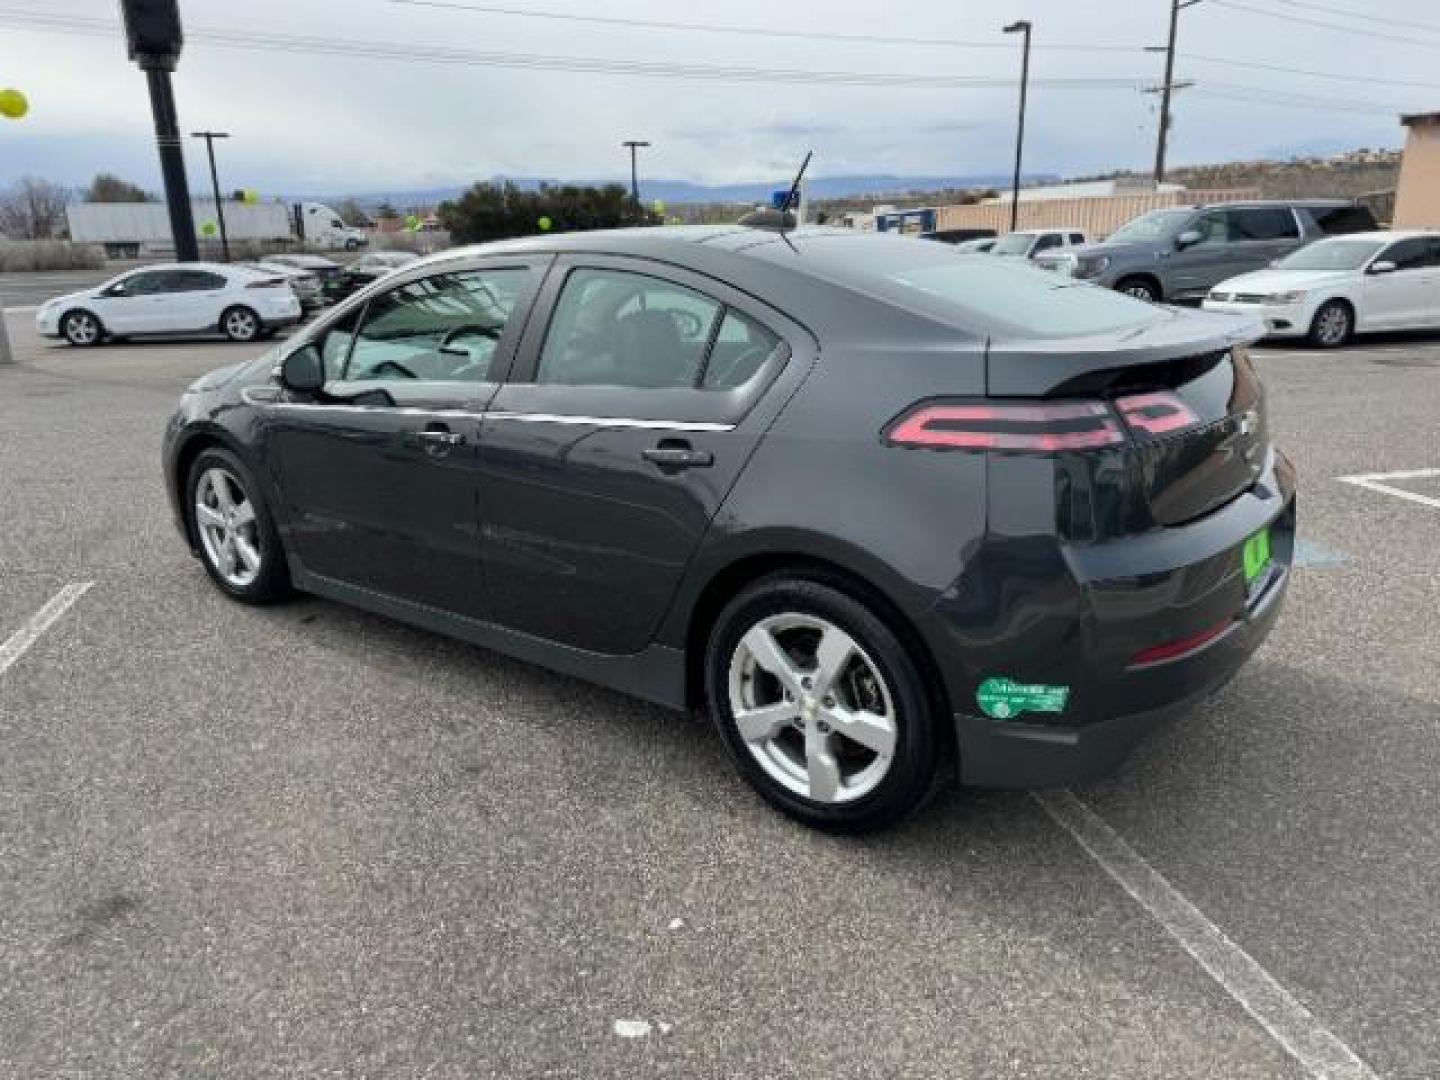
(1046, 242)
(147, 283)
(442, 328)
(1274, 223)
(616, 328)
(1407, 254)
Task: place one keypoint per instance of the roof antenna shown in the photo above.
(792, 198)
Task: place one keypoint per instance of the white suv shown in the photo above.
(1027, 243)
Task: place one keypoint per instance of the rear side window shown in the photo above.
(1271, 223)
(1077, 238)
(741, 346)
(616, 328)
(193, 281)
(1338, 220)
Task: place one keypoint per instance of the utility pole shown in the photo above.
(210, 137)
(1169, 87)
(153, 40)
(634, 144)
(1021, 26)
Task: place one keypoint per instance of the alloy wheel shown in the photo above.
(229, 531)
(82, 328)
(812, 707)
(241, 325)
(1332, 325)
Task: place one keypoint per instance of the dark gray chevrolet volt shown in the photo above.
(892, 513)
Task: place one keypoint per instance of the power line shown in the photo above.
(1354, 31)
(747, 31)
(1310, 73)
(578, 64)
(1363, 16)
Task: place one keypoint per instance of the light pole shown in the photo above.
(210, 137)
(1020, 26)
(634, 144)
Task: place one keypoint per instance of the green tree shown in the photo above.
(489, 211)
(109, 188)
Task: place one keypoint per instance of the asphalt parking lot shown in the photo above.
(305, 841)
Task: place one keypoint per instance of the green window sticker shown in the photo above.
(1003, 698)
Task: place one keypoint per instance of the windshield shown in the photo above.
(1155, 225)
(1016, 243)
(1332, 255)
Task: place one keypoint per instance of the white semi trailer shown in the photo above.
(128, 230)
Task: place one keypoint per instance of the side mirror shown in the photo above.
(1384, 266)
(303, 371)
(1189, 238)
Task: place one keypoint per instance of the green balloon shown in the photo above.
(545, 224)
(208, 228)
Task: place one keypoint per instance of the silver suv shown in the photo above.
(1179, 254)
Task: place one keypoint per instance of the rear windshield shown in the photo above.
(1014, 244)
(978, 293)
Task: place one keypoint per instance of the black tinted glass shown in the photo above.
(1337, 220)
(1266, 224)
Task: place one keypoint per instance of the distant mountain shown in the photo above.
(868, 186)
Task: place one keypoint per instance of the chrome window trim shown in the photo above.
(520, 417)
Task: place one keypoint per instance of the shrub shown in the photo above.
(30, 255)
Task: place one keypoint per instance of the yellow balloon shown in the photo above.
(251, 197)
(13, 104)
(545, 224)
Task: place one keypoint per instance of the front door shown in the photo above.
(633, 409)
(1401, 298)
(134, 305)
(378, 477)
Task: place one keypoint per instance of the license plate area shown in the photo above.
(1257, 560)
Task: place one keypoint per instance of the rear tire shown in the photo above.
(844, 738)
(1140, 288)
(240, 324)
(82, 329)
(233, 529)
(1332, 326)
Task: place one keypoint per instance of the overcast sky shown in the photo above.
(307, 122)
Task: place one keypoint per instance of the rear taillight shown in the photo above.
(1033, 427)
(1181, 647)
(269, 283)
(1157, 413)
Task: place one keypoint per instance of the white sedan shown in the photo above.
(1333, 288)
(242, 303)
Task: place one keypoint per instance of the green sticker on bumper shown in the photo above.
(1005, 698)
(1256, 555)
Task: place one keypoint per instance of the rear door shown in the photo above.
(1261, 234)
(1404, 297)
(638, 396)
(193, 299)
(379, 475)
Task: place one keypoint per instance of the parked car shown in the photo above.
(976, 247)
(325, 270)
(890, 514)
(369, 267)
(1334, 288)
(175, 299)
(1029, 243)
(1182, 253)
(304, 284)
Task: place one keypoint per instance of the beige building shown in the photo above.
(1417, 197)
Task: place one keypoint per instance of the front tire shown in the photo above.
(821, 706)
(240, 324)
(82, 329)
(1332, 326)
(234, 530)
(1140, 288)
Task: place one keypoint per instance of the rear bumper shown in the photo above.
(1091, 613)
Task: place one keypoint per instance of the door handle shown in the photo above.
(672, 455)
(437, 440)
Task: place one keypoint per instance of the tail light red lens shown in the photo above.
(1034, 427)
(1157, 413)
(1174, 650)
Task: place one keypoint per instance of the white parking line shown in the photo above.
(1289, 1023)
(1374, 481)
(19, 642)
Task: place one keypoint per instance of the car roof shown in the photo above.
(1270, 204)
